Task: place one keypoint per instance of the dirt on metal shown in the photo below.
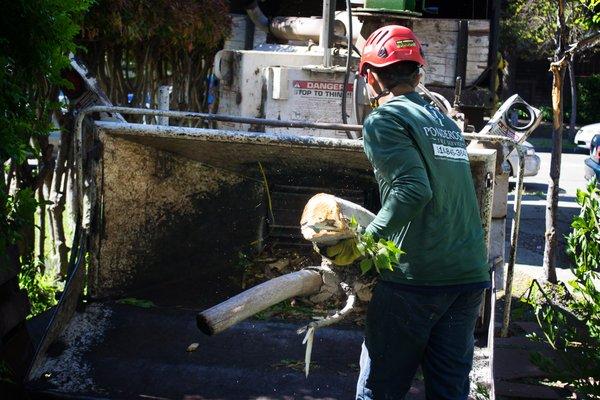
(144, 191)
(68, 371)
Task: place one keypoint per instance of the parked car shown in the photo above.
(532, 161)
(583, 137)
(592, 163)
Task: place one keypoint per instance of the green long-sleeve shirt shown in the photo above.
(429, 208)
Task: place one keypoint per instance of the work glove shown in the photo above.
(344, 252)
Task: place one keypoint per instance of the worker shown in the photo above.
(423, 312)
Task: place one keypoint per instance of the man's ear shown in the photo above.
(418, 79)
(371, 80)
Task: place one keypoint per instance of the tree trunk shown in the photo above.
(558, 74)
(511, 79)
(58, 196)
(26, 242)
(42, 229)
(573, 82)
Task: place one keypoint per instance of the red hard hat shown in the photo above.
(388, 45)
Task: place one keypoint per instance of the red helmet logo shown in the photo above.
(388, 45)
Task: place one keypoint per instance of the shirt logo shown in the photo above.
(436, 114)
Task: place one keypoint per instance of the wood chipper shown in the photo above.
(185, 214)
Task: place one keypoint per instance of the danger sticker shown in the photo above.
(319, 89)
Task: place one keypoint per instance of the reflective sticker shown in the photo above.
(405, 43)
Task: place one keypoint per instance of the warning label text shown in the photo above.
(317, 89)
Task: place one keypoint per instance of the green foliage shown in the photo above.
(546, 113)
(571, 322)
(159, 26)
(41, 288)
(244, 262)
(584, 241)
(379, 254)
(481, 391)
(132, 301)
(18, 211)
(588, 98)
(590, 18)
(133, 46)
(528, 27)
(35, 40)
(7, 376)
(288, 309)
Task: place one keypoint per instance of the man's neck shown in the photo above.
(396, 91)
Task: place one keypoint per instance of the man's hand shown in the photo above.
(344, 252)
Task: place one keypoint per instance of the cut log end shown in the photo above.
(204, 325)
(325, 219)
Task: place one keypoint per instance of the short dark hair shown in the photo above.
(398, 73)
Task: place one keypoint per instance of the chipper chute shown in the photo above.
(325, 221)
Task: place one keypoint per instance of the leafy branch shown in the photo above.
(379, 254)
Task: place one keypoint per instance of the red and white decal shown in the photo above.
(320, 89)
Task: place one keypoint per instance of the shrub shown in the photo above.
(35, 40)
(588, 98)
(134, 46)
(571, 321)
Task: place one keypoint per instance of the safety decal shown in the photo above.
(405, 43)
(320, 89)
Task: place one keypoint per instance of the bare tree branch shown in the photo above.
(583, 44)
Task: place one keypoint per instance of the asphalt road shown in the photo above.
(531, 238)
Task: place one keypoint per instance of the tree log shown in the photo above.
(325, 219)
(222, 316)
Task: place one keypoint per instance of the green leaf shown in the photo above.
(365, 265)
(382, 254)
(132, 301)
(581, 195)
(353, 223)
(382, 261)
(362, 249)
